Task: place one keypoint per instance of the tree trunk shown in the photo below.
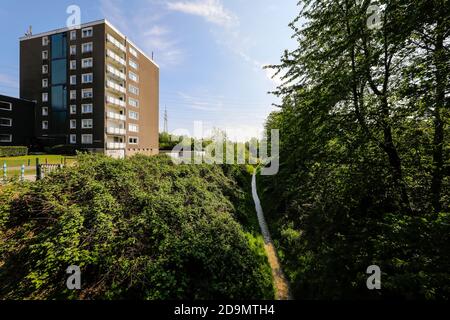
(394, 159)
(438, 161)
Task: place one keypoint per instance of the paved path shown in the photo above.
(280, 282)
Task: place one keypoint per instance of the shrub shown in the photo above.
(13, 151)
(140, 228)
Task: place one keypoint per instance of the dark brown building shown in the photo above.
(94, 89)
(16, 121)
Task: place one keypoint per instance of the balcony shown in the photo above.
(114, 86)
(116, 73)
(115, 58)
(115, 42)
(116, 116)
(116, 102)
(116, 131)
(115, 145)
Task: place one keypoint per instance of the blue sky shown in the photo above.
(211, 52)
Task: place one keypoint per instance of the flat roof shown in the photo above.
(3, 96)
(85, 25)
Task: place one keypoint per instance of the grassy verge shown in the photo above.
(31, 159)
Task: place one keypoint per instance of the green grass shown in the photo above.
(14, 164)
(23, 160)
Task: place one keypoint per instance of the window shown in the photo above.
(73, 95)
(87, 47)
(133, 64)
(73, 35)
(73, 50)
(133, 102)
(133, 127)
(87, 108)
(45, 97)
(5, 122)
(87, 32)
(133, 115)
(6, 138)
(133, 52)
(87, 63)
(45, 83)
(45, 41)
(45, 69)
(86, 123)
(44, 125)
(133, 140)
(73, 139)
(133, 89)
(5, 106)
(87, 93)
(73, 80)
(73, 65)
(87, 78)
(73, 124)
(86, 139)
(73, 109)
(44, 55)
(133, 76)
(45, 111)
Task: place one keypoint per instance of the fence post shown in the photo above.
(38, 170)
(4, 171)
(22, 173)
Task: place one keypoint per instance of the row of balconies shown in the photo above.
(112, 85)
(115, 57)
(115, 145)
(116, 131)
(115, 72)
(116, 42)
(115, 116)
(114, 101)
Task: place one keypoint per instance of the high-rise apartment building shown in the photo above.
(94, 89)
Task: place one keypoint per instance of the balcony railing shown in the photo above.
(116, 72)
(115, 57)
(116, 42)
(115, 145)
(116, 131)
(115, 101)
(115, 86)
(116, 116)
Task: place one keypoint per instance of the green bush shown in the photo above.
(140, 228)
(13, 151)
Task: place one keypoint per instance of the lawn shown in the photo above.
(31, 160)
(14, 164)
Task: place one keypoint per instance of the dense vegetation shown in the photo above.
(365, 151)
(141, 228)
(13, 151)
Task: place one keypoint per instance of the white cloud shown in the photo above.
(212, 10)
(202, 105)
(145, 29)
(157, 31)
